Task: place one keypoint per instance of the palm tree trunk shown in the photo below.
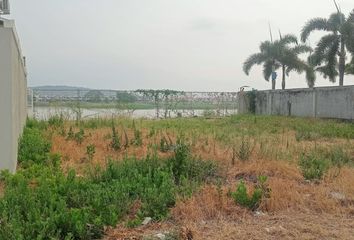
(283, 80)
(342, 62)
(273, 84)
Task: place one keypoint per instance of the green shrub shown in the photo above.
(115, 143)
(252, 202)
(244, 150)
(313, 166)
(79, 136)
(33, 147)
(90, 151)
(56, 121)
(126, 140)
(252, 96)
(179, 162)
(164, 145)
(184, 166)
(33, 123)
(71, 134)
(137, 140)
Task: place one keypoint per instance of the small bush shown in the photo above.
(126, 140)
(79, 136)
(179, 162)
(164, 145)
(56, 121)
(313, 166)
(90, 151)
(245, 150)
(33, 123)
(252, 202)
(137, 140)
(71, 134)
(115, 143)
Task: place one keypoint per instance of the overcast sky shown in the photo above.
(175, 44)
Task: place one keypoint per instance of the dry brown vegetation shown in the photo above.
(296, 209)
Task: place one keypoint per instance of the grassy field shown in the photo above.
(240, 177)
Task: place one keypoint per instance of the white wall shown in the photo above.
(322, 102)
(13, 95)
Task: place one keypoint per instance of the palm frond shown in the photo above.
(310, 77)
(349, 68)
(348, 32)
(336, 21)
(300, 49)
(330, 68)
(312, 25)
(332, 61)
(288, 39)
(265, 46)
(252, 60)
(326, 43)
(268, 69)
(351, 17)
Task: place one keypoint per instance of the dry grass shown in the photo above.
(296, 209)
(288, 225)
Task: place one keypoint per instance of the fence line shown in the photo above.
(321, 102)
(164, 103)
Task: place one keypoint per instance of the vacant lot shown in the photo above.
(242, 177)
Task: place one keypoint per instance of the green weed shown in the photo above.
(313, 166)
(252, 201)
(90, 151)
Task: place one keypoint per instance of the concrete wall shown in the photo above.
(323, 102)
(13, 95)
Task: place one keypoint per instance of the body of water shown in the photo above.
(44, 113)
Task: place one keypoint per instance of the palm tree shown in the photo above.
(282, 53)
(330, 54)
(349, 32)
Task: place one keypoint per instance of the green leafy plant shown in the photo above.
(79, 136)
(252, 201)
(126, 140)
(244, 150)
(164, 145)
(71, 134)
(179, 162)
(115, 143)
(137, 140)
(252, 96)
(313, 165)
(33, 147)
(56, 121)
(90, 151)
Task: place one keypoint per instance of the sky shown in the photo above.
(190, 45)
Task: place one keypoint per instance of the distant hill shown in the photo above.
(58, 88)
